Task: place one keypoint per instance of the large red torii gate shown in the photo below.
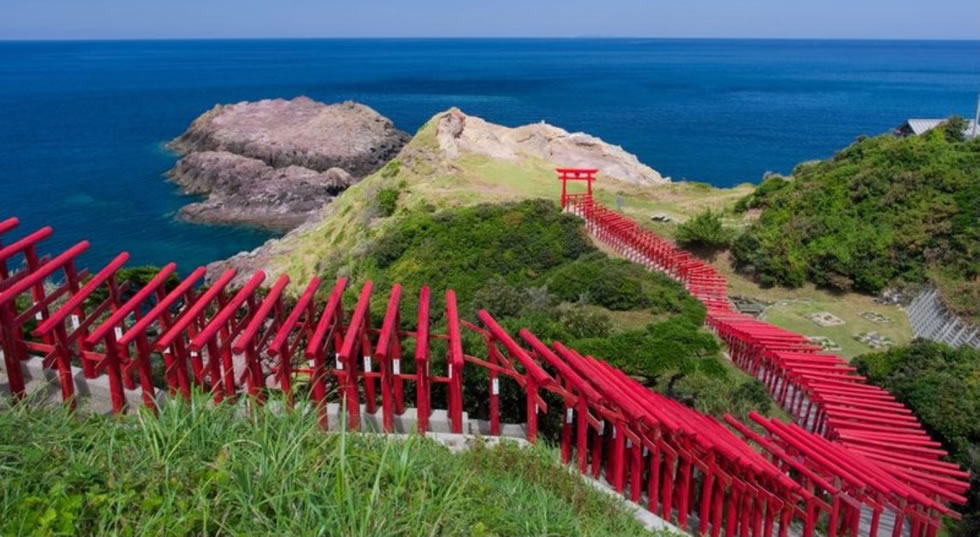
(575, 174)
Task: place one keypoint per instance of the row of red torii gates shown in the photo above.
(854, 439)
(840, 461)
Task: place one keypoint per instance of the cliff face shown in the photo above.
(273, 163)
(247, 191)
(459, 133)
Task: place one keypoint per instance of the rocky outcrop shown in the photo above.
(298, 132)
(247, 191)
(273, 163)
(458, 133)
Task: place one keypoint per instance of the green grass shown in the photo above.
(790, 307)
(198, 469)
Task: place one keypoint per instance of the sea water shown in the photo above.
(83, 125)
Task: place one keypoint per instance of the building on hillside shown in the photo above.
(915, 127)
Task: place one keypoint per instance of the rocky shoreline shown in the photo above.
(275, 163)
(247, 191)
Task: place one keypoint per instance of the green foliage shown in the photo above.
(954, 129)
(760, 197)
(586, 323)
(674, 345)
(206, 469)
(942, 386)
(705, 230)
(885, 210)
(471, 248)
(596, 279)
(391, 169)
(135, 278)
(388, 201)
(533, 267)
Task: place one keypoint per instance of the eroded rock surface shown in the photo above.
(460, 133)
(274, 163)
(247, 191)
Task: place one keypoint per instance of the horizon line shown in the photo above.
(486, 37)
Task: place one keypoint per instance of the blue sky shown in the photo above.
(121, 19)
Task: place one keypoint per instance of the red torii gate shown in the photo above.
(575, 174)
(874, 450)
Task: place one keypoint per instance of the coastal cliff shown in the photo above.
(273, 163)
(459, 133)
(454, 160)
(247, 191)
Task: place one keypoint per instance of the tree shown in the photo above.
(705, 230)
(884, 211)
(942, 386)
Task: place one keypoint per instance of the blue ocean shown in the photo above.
(83, 124)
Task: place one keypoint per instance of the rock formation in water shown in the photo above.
(243, 190)
(273, 163)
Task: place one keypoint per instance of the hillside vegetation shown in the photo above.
(942, 386)
(204, 470)
(533, 267)
(423, 177)
(885, 211)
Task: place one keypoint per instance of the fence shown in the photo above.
(931, 320)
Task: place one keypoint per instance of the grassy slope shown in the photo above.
(789, 306)
(425, 177)
(883, 212)
(205, 470)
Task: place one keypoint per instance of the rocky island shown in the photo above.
(274, 163)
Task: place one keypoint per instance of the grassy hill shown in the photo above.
(534, 267)
(204, 470)
(490, 229)
(885, 211)
(422, 177)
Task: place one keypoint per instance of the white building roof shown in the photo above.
(919, 126)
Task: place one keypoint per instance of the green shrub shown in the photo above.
(942, 386)
(612, 283)
(704, 230)
(954, 129)
(500, 297)
(388, 201)
(763, 193)
(585, 323)
(883, 211)
(667, 347)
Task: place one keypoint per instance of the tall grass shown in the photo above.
(197, 469)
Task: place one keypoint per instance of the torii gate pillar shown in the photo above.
(575, 174)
